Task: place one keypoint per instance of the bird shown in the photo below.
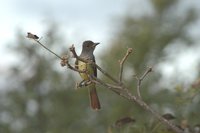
(88, 48)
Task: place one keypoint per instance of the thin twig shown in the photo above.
(95, 79)
(139, 80)
(37, 39)
(48, 49)
(129, 51)
(145, 73)
(114, 88)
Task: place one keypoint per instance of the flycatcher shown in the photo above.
(88, 48)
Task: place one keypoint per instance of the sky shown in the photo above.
(79, 20)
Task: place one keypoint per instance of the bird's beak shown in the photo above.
(95, 44)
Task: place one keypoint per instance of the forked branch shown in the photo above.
(121, 64)
(140, 79)
(121, 90)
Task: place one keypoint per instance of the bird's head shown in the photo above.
(89, 46)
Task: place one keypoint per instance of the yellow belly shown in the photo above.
(85, 66)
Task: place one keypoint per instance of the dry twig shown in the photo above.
(139, 80)
(35, 38)
(129, 51)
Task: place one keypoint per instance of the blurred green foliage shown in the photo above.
(41, 96)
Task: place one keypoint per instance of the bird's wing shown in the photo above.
(94, 68)
(76, 64)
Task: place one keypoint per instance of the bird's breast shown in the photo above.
(82, 66)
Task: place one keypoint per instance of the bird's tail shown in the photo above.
(94, 100)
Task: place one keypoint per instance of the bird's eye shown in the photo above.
(87, 45)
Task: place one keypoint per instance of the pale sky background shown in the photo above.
(86, 19)
(79, 19)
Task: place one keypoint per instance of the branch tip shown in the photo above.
(32, 36)
(130, 50)
(121, 62)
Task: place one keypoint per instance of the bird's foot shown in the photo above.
(83, 84)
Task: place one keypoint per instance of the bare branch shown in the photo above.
(35, 38)
(124, 92)
(129, 51)
(140, 102)
(139, 80)
(115, 88)
(108, 86)
(97, 80)
(48, 49)
(119, 88)
(149, 69)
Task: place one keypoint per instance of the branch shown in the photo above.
(64, 59)
(124, 92)
(120, 89)
(139, 80)
(140, 102)
(129, 51)
(35, 38)
(114, 88)
(145, 73)
(96, 80)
